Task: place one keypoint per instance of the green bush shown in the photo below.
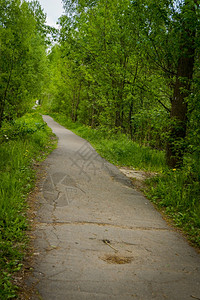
(21, 128)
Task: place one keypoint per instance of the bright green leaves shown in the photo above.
(22, 60)
(100, 43)
(118, 58)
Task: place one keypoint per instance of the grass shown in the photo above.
(22, 142)
(117, 148)
(176, 192)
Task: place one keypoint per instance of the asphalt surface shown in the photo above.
(98, 238)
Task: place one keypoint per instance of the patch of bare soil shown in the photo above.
(117, 259)
(137, 177)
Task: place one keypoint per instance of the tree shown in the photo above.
(120, 59)
(169, 37)
(99, 40)
(182, 88)
(23, 59)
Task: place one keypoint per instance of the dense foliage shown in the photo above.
(23, 72)
(131, 66)
(23, 56)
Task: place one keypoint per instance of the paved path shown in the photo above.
(98, 238)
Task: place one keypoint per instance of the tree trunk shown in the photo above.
(176, 142)
(3, 99)
(77, 103)
(175, 146)
(130, 118)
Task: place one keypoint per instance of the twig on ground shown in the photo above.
(107, 242)
(195, 297)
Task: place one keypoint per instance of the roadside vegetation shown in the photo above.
(116, 147)
(177, 193)
(23, 142)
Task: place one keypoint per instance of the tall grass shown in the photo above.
(21, 143)
(117, 148)
(178, 192)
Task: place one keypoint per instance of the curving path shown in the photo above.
(98, 238)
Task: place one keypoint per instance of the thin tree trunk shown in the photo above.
(77, 103)
(131, 104)
(130, 118)
(3, 100)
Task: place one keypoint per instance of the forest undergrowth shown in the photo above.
(176, 192)
(23, 142)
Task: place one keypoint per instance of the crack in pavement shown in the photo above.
(104, 225)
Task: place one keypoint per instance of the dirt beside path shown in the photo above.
(98, 238)
(137, 177)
